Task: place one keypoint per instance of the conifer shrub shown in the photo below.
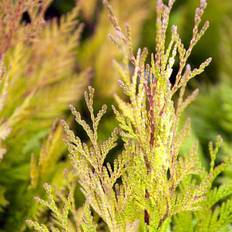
(150, 185)
(217, 97)
(39, 78)
(99, 52)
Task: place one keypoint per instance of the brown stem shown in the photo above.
(150, 91)
(146, 214)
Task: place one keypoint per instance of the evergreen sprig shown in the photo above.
(151, 186)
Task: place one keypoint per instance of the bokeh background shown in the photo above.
(211, 113)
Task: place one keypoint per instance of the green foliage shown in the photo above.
(39, 79)
(216, 98)
(144, 177)
(150, 185)
(67, 218)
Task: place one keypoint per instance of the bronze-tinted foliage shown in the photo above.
(150, 186)
(39, 79)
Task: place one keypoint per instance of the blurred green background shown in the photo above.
(211, 113)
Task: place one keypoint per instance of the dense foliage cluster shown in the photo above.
(150, 185)
(38, 81)
(145, 176)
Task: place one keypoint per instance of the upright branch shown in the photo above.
(150, 186)
(151, 109)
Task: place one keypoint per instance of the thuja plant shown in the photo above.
(218, 95)
(39, 78)
(151, 185)
(98, 52)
